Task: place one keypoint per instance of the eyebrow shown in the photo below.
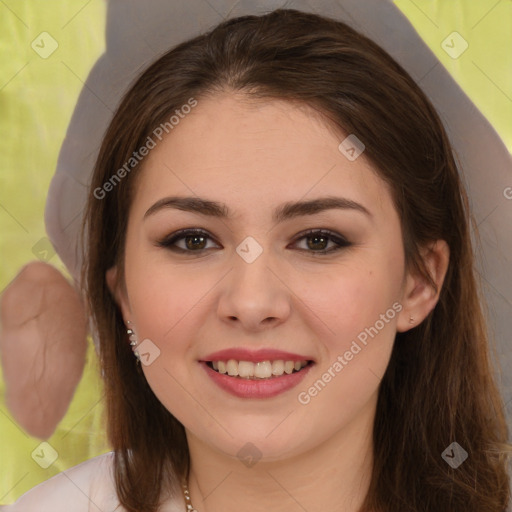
(283, 212)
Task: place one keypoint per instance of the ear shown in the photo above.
(118, 291)
(419, 297)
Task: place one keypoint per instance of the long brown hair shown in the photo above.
(439, 386)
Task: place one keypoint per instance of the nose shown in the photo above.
(253, 296)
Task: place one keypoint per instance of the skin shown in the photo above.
(43, 341)
(253, 156)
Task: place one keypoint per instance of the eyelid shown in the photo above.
(340, 240)
(320, 231)
(168, 241)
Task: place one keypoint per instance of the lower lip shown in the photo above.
(252, 388)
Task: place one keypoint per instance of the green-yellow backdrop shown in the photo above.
(37, 97)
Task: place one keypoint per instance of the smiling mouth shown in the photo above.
(257, 371)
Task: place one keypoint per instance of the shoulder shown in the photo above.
(87, 487)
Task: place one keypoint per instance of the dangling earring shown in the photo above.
(133, 339)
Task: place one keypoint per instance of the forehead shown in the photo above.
(251, 153)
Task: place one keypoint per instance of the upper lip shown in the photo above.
(263, 354)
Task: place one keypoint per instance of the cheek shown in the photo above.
(356, 308)
(169, 304)
(165, 302)
(162, 296)
(346, 300)
(360, 312)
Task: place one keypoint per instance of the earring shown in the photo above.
(411, 319)
(133, 339)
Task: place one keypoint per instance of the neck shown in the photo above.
(335, 475)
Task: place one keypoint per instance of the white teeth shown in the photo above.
(245, 369)
(259, 370)
(232, 368)
(277, 367)
(263, 369)
(288, 366)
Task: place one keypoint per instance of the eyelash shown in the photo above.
(169, 241)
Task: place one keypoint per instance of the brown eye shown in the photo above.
(317, 241)
(195, 240)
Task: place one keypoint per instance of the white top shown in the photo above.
(87, 487)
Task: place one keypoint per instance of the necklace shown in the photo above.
(186, 495)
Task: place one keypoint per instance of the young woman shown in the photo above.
(280, 273)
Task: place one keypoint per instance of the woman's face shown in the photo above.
(254, 284)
